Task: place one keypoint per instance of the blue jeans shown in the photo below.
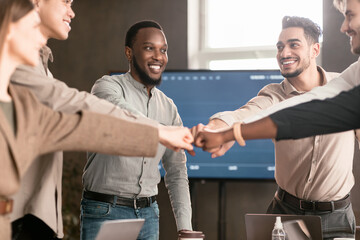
(94, 213)
(337, 223)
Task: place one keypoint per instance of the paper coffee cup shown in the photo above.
(191, 235)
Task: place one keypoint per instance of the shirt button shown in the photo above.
(314, 162)
(309, 180)
(144, 162)
(140, 182)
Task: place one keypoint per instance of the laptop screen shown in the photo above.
(124, 229)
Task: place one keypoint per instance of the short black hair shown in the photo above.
(312, 31)
(133, 30)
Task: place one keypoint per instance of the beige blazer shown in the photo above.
(40, 130)
(40, 192)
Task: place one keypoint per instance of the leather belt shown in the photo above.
(312, 205)
(6, 206)
(135, 203)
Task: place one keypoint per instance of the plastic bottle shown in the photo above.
(278, 233)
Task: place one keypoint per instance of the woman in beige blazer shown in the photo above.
(29, 129)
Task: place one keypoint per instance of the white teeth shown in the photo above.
(68, 24)
(289, 62)
(157, 67)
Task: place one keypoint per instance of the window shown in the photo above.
(239, 34)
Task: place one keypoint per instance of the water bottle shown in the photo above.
(278, 233)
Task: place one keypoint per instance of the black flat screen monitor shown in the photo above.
(198, 94)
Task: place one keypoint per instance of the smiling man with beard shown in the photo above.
(117, 187)
(306, 170)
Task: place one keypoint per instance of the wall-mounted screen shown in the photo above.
(198, 95)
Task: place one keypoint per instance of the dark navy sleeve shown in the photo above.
(337, 114)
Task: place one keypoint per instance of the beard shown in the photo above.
(356, 50)
(145, 78)
(298, 71)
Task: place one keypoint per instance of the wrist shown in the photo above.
(237, 134)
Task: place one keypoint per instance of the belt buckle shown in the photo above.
(312, 203)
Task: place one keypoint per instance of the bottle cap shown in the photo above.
(278, 223)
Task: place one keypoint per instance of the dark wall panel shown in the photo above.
(96, 42)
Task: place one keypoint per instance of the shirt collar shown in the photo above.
(46, 54)
(290, 89)
(137, 84)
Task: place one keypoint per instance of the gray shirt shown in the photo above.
(139, 176)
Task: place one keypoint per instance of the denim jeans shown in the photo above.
(337, 223)
(94, 213)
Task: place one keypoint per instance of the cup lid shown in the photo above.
(191, 234)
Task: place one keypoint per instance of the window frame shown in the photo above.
(200, 56)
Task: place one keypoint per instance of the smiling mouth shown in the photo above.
(287, 62)
(155, 67)
(67, 24)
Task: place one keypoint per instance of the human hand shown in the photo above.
(214, 124)
(211, 140)
(222, 149)
(176, 138)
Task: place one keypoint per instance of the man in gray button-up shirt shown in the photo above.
(106, 179)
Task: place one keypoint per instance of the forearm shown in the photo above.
(337, 114)
(176, 181)
(266, 97)
(95, 132)
(343, 83)
(58, 96)
(261, 129)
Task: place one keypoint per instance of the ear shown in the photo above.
(128, 53)
(36, 4)
(315, 50)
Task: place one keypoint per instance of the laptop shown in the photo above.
(124, 229)
(299, 227)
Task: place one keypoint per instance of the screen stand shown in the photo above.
(222, 210)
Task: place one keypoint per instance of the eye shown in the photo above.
(279, 47)
(163, 50)
(68, 2)
(148, 48)
(294, 45)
